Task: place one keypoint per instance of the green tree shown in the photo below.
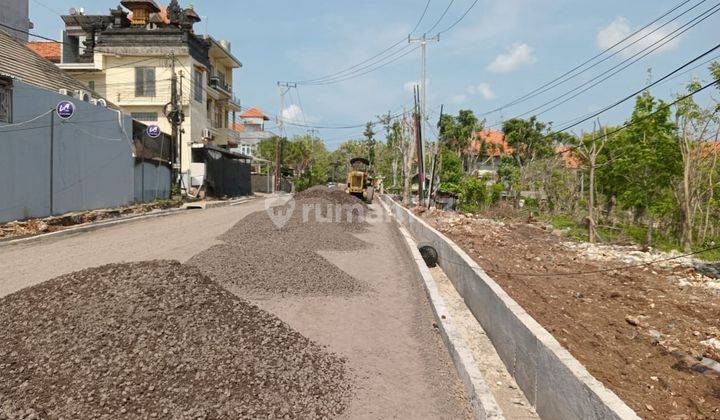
(642, 163)
(530, 139)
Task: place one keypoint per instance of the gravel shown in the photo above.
(157, 340)
(259, 260)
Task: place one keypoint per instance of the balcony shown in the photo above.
(220, 86)
(223, 136)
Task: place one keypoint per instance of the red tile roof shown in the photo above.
(571, 159)
(48, 50)
(495, 143)
(254, 113)
(239, 127)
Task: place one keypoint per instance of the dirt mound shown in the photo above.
(157, 340)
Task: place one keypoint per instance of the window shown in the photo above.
(198, 85)
(145, 81)
(5, 101)
(145, 116)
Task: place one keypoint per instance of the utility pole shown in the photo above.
(420, 155)
(423, 41)
(284, 89)
(435, 160)
(173, 116)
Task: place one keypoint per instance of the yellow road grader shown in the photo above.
(360, 180)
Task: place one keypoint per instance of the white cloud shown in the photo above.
(483, 89)
(620, 28)
(458, 99)
(515, 57)
(293, 114)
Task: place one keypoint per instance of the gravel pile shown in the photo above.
(258, 259)
(156, 340)
(330, 194)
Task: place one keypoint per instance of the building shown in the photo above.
(16, 15)
(52, 51)
(85, 160)
(251, 131)
(489, 147)
(129, 56)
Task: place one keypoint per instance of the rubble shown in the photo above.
(31, 227)
(157, 340)
(688, 271)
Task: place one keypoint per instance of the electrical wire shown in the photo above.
(464, 15)
(355, 76)
(447, 9)
(536, 91)
(382, 53)
(2, 127)
(597, 80)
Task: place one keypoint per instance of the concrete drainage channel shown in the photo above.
(552, 380)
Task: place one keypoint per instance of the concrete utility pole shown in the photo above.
(284, 89)
(423, 41)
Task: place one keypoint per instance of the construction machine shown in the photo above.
(360, 180)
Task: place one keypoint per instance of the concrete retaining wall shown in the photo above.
(552, 379)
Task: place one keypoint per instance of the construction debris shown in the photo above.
(32, 227)
(157, 340)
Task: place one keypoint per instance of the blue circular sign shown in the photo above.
(65, 110)
(154, 131)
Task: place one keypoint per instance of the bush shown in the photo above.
(497, 192)
(473, 194)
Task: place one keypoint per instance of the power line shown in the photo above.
(342, 73)
(447, 9)
(356, 75)
(632, 95)
(595, 81)
(538, 90)
(464, 15)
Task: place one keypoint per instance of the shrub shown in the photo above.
(473, 195)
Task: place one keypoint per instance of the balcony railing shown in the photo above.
(219, 84)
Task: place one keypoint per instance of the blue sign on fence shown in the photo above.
(154, 131)
(65, 110)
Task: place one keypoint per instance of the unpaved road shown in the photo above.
(177, 237)
(400, 365)
(403, 369)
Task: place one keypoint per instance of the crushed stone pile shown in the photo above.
(157, 340)
(261, 258)
(329, 194)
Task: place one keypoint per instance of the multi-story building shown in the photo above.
(251, 131)
(14, 15)
(129, 57)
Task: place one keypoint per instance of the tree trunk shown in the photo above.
(592, 234)
(649, 238)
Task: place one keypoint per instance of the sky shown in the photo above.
(501, 51)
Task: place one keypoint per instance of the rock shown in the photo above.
(559, 233)
(655, 337)
(632, 320)
(649, 407)
(712, 343)
(615, 295)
